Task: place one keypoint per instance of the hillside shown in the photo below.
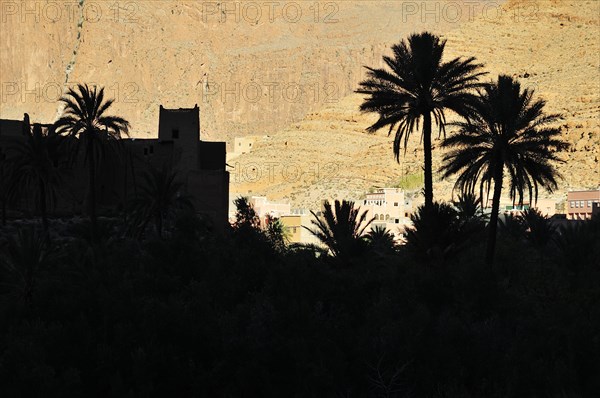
(552, 46)
(289, 72)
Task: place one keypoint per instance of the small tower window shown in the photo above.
(151, 149)
(175, 134)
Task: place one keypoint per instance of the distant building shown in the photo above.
(295, 227)
(265, 208)
(390, 208)
(582, 204)
(241, 145)
(200, 165)
(545, 206)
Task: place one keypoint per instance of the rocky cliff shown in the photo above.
(286, 71)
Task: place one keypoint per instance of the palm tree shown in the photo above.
(159, 197)
(381, 241)
(36, 169)
(468, 206)
(84, 117)
(539, 231)
(419, 86)
(435, 234)
(342, 229)
(509, 132)
(245, 215)
(276, 233)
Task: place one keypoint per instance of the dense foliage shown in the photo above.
(198, 313)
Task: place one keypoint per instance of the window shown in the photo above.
(151, 149)
(175, 134)
(397, 221)
(239, 144)
(572, 204)
(396, 204)
(377, 217)
(581, 203)
(387, 217)
(589, 203)
(381, 217)
(406, 215)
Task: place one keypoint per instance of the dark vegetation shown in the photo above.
(195, 313)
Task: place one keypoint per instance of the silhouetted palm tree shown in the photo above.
(159, 196)
(340, 228)
(84, 117)
(435, 232)
(468, 206)
(36, 170)
(509, 131)
(381, 241)
(539, 231)
(419, 86)
(245, 215)
(276, 233)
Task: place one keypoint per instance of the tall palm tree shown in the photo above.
(419, 86)
(35, 170)
(340, 228)
(510, 132)
(84, 117)
(160, 195)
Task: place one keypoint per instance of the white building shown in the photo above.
(390, 208)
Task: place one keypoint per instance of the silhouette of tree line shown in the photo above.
(106, 308)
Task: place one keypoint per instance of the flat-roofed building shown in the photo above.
(582, 204)
(295, 226)
(390, 208)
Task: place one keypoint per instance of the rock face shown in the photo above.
(551, 46)
(252, 67)
(288, 69)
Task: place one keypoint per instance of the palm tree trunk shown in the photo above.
(428, 189)
(92, 187)
(43, 206)
(493, 227)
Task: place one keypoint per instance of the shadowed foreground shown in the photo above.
(196, 314)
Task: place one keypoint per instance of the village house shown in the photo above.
(581, 205)
(390, 208)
